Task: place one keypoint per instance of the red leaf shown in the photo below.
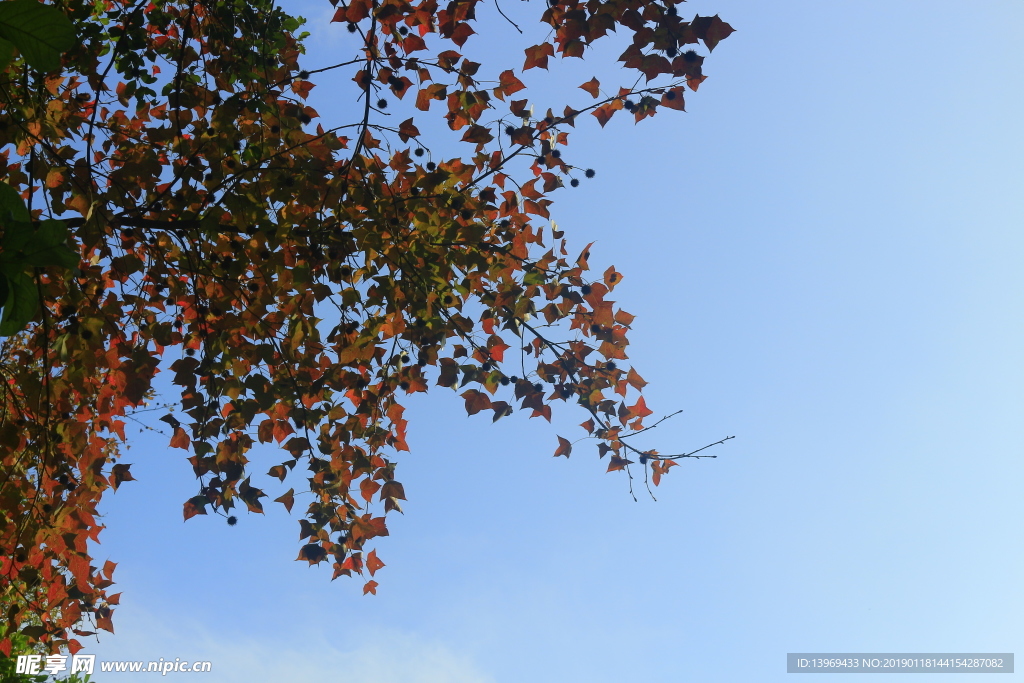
(370, 587)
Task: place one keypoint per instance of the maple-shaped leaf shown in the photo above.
(407, 130)
(635, 380)
(478, 134)
(180, 439)
(508, 84)
(370, 587)
(712, 30)
(476, 401)
(640, 409)
(537, 56)
(593, 86)
(313, 553)
(564, 447)
(392, 489)
(103, 619)
(617, 463)
(373, 562)
(195, 505)
(673, 99)
(286, 499)
(119, 473)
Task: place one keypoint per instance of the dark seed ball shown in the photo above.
(510, 130)
(574, 182)
(556, 153)
(418, 151)
(405, 358)
(504, 381)
(403, 30)
(304, 117)
(351, 28)
(585, 289)
(590, 173)
(303, 74)
(190, 352)
(232, 520)
(670, 95)
(595, 329)
(691, 56)
(382, 103)
(611, 365)
(275, 129)
(538, 387)
(431, 166)
(404, 386)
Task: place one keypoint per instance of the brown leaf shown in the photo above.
(476, 401)
(564, 447)
(287, 499)
(373, 563)
(593, 86)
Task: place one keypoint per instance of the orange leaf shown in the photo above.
(593, 86)
(618, 463)
(180, 439)
(370, 587)
(640, 409)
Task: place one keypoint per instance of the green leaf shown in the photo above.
(12, 206)
(21, 306)
(6, 54)
(40, 32)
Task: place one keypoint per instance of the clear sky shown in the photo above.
(824, 256)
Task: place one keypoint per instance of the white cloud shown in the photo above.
(376, 656)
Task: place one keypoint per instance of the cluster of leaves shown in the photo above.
(303, 278)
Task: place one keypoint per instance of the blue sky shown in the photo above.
(824, 257)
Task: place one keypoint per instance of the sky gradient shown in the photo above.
(824, 257)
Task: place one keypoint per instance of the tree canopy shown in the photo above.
(171, 202)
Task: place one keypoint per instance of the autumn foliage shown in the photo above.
(297, 280)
